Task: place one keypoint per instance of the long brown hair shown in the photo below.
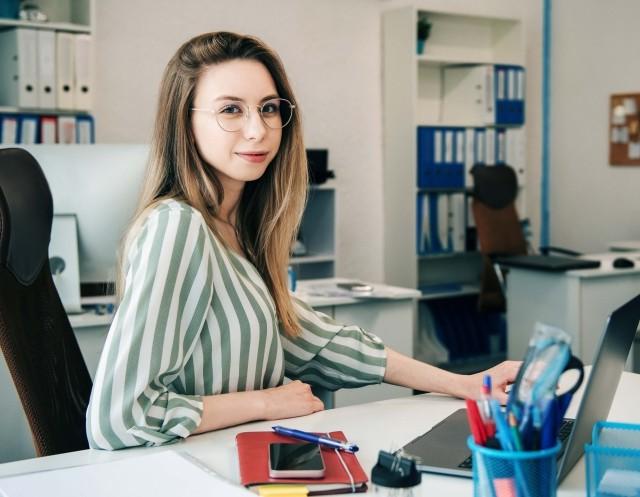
(271, 207)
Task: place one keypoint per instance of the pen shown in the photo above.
(312, 437)
(485, 408)
(515, 434)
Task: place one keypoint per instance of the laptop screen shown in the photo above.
(600, 390)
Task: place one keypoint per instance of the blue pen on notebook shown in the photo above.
(317, 439)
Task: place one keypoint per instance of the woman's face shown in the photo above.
(243, 155)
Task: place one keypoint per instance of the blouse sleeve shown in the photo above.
(167, 292)
(332, 355)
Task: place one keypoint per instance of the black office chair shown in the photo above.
(36, 338)
(499, 230)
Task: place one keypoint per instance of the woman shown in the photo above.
(206, 328)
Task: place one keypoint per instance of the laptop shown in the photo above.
(547, 262)
(444, 449)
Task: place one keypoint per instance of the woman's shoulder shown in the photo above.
(175, 210)
(176, 206)
(167, 212)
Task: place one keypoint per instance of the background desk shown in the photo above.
(579, 302)
(379, 425)
(391, 319)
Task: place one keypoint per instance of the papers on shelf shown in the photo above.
(160, 474)
(332, 291)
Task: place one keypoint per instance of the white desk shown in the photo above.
(392, 319)
(379, 425)
(578, 301)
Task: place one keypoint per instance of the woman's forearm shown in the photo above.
(230, 409)
(405, 371)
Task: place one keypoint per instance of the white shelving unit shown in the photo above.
(480, 33)
(68, 16)
(63, 15)
(318, 235)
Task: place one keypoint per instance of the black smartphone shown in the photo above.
(295, 460)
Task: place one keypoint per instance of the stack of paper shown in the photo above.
(163, 474)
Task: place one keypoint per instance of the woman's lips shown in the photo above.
(254, 157)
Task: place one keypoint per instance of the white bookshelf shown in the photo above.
(318, 234)
(488, 32)
(50, 26)
(64, 16)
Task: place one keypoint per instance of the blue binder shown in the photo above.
(425, 156)
(509, 94)
(28, 129)
(9, 129)
(85, 129)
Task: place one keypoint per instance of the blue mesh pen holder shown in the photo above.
(613, 460)
(500, 473)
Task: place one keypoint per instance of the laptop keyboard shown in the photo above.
(563, 434)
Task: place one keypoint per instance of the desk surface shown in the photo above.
(316, 293)
(605, 270)
(386, 425)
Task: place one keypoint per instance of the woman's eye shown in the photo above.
(270, 108)
(231, 109)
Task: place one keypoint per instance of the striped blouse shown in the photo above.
(197, 319)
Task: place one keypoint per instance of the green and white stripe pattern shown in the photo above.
(197, 319)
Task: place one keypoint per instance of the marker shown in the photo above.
(515, 434)
(316, 439)
(484, 406)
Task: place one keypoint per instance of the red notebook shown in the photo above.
(253, 454)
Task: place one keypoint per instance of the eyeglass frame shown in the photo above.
(248, 114)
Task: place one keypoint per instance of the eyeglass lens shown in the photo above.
(275, 113)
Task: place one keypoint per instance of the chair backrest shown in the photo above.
(497, 226)
(36, 338)
(494, 191)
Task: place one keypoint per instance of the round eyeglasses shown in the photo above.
(232, 115)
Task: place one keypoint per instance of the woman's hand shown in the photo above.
(290, 400)
(501, 375)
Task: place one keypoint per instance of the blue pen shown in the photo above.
(317, 439)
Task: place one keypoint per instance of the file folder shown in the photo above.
(28, 129)
(425, 156)
(480, 146)
(8, 129)
(457, 222)
(85, 129)
(65, 89)
(46, 69)
(66, 130)
(422, 224)
(19, 62)
(490, 147)
(469, 155)
(48, 129)
(469, 94)
(501, 146)
(510, 95)
(82, 63)
(438, 223)
(516, 153)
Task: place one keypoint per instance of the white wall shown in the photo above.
(595, 47)
(331, 50)
(532, 14)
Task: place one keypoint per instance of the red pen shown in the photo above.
(475, 423)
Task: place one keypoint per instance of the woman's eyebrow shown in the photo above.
(238, 99)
